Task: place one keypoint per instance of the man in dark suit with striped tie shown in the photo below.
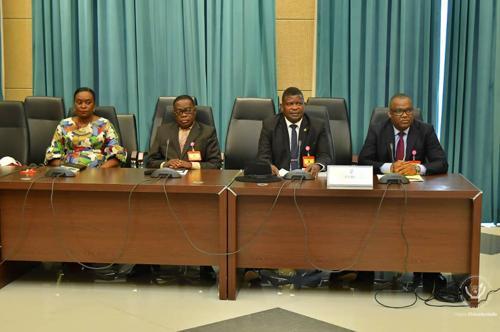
(291, 135)
(402, 144)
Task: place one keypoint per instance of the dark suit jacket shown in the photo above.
(274, 142)
(203, 136)
(421, 137)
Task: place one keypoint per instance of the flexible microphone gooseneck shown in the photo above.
(391, 147)
(166, 150)
(164, 172)
(298, 151)
(393, 177)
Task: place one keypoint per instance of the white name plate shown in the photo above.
(349, 177)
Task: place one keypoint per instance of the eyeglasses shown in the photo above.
(187, 111)
(400, 111)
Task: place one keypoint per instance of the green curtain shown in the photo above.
(495, 195)
(241, 58)
(131, 52)
(471, 107)
(369, 50)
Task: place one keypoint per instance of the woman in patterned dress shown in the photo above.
(85, 138)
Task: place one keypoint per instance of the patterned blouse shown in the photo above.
(91, 145)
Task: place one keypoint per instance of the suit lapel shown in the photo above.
(305, 129)
(410, 142)
(282, 132)
(173, 136)
(389, 139)
(193, 134)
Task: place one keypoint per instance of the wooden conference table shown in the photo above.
(92, 221)
(441, 223)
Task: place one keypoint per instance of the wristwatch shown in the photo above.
(417, 168)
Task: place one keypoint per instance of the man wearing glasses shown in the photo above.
(185, 143)
(402, 144)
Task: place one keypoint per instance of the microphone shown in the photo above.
(165, 172)
(393, 177)
(298, 151)
(391, 147)
(166, 150)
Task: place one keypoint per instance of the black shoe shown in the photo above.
(110, 277)
(365, 277)
(252, 278)
(341, 279)
(71, 268)
(364, 280)
(433, 282)
(115, 273)
(274, 278)
(307, 278)
(207, 274)
(417, 279)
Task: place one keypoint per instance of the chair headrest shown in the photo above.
(252, 108)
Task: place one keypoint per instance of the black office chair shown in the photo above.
(204, 114)
(339, 127)
(14, 136)
(379, 114)
(242, 140)
(321, 113)
(128, 128)
(160, 110)
(43, 115)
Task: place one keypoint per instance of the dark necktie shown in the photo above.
(400, 148)
(294, 149)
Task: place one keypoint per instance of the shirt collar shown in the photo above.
(396, 131)
(288, 123)
(187, 129)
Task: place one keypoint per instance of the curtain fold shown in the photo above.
(495, 199)
(131, 52)
(369, 50)
(241, 59)
(471, 105)
(170, 55)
